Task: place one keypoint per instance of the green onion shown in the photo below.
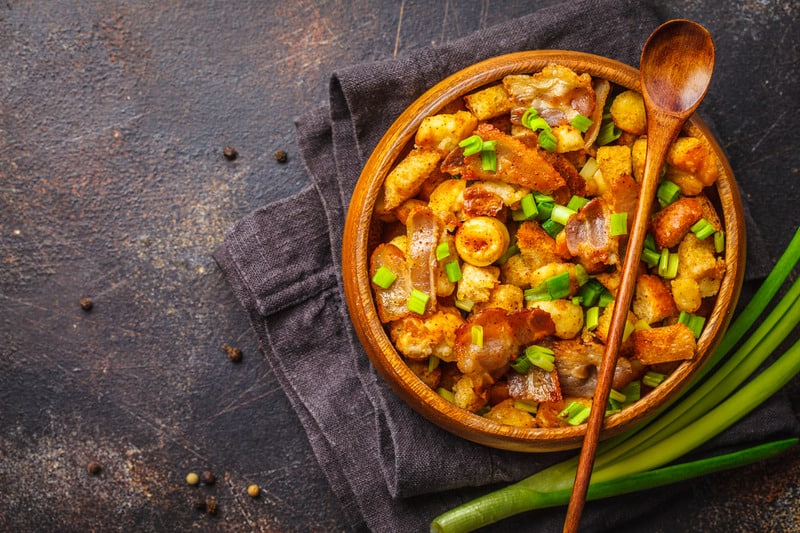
(527, 406)
(433, 363)
(702, 229)
(590, 292)
(719, 241)
(581, 123)
(605, 298)
(693, 322)
(650, 257)
(558, 285)
(581, 276)
(464, 305)
(633, 391)
(561, 214)
(529, 114)
(589, 168)
(552, 227)
(617, 396)
(537, 294)
(453, 271)
(592, 318)
(580, 417)
(489, 161)
(667, 193)
(668, 264)
(446, 394)
(650, 241)
(418, 301)
(471, 145)
(528, 205)
(548, 141)
(572, 409)
(442, 251)
(521, 365)
(476, 333)
(608, 133)
(576, 202)
(384, 277)
(653, 379)
(541, 356)
(619, 224)
(510, 251)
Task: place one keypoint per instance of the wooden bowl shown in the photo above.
(359, 226)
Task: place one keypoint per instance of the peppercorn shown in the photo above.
(281, 156)
(234, 354)
(253, 491)
(208, 477)
(230, 153)
(93, 468)
(86, 304)
(211, 505)
(192, 478)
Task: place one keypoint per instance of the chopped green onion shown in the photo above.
(453, 271)
(471, 145)
(650, 257)
(605, 298)
(576, 202)
(580, 417)
(581, 123)
(558, 285)
(650, 241)
(703, 229)
(477, 335)
(489, 161)
(548, 141)
(442, 251)
(510, 251)
(541, 356)
(418, 301)
(632, 391)
(552, 227)
(433, 363)
(617, 396)
(446, 394)
(589, 168)
(608, 133)
(571, 410)
(629, 329)
(529, 114)
(667, 193)
(464, 305)
(693, 322)
(527, 406)
(489, 146)
(653, 379)
(719, 241)
(592, 318)
(521, 365)
(581, 276)
(561, 214)
(528, 205)
(590, 292)
(668, 264)
(537, 294)
(384, 277)
(672, 266)
(619, 224)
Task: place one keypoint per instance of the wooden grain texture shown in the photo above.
(113, 117)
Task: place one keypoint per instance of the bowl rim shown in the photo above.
(356, 249)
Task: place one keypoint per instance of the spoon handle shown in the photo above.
(667, 126)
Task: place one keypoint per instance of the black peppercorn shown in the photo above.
(281, 156)
(230, 152)
(93, 468)
(86, 304)
(208, 477)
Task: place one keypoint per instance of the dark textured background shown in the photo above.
(113, 116)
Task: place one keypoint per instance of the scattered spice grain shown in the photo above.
(253, 491)
(86, 304)
(208, 477)
(230, 153)
(211, 505)
(93, 468)
(281, 156)
(192, 478)
(234, 354)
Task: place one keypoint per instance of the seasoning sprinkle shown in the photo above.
(281, 156)
(234, 354)
(93, 468)
(230, 153)
(86, 304)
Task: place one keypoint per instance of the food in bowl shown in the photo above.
(500, 240)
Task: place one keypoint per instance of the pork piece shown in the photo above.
(391, 302)
(424, 232)
(578, 362)
(535, 385)
(671, 224)
(557, 93)
(517, 163)
(481, 202)
(588, 238)
(503, 335)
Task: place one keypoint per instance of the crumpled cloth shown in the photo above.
(392, 469)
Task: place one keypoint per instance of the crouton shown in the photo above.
(418, 338)
(489, 103)
(664, 344)
(614, 161)
(604, 322)
(477, 283)
(406, 179)
(430, 377)
(443, 132)
(568, 138)
(627, 112)
(505, 413)
(653, 300)
(567, 317)
(503, 296)
(469, 394)
(686, 294)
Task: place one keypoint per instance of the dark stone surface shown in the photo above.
(113, 186)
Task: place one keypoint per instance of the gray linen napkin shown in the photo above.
(391, 469)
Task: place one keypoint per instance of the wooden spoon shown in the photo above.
(675, 71)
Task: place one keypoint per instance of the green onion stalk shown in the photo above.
(636, 459)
